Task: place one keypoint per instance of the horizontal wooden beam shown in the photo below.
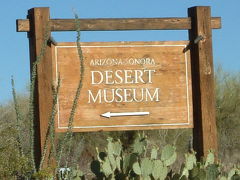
(119, 24)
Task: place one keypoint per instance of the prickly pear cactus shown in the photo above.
(128, 161)
(113, 162)
(190, 160)
(159, 170)
(137, 168)
(144, 169)
(171, 160)
(184, 172)
(209, 159)
(106, 168)
(212, 172)
(109, 149)
(139, 145)
(75, 174)
(142, 164)
(234, 174)
(118, 162)
(117, 148)
(168, 155)
(109, 161)
(167, 152)
(154, 153)
(193, 169)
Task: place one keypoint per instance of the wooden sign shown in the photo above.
(143, 85)
(126, 85)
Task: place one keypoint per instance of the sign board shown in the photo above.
(126, 85)
(145, 85)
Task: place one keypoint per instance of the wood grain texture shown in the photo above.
(172, 76)
(39, 18)
(112, 24)
(204, 132)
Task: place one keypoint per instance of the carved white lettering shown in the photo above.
(98, 96)
(122, 77)
(156, 93)
(119, 77)
(124, 95)
(128, 77)
(93, 77)
(119, 61)
(108, 75)
(149, 75)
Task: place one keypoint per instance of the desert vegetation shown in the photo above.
(15, 151)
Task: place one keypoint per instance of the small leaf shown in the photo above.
(136, 168)
(171, 160)
(209, 159)
(146, 167)
(117, 148)
(112, 162)
(139, 145)
(185, 172)
(167, 152)
(157, 166)
(190, 160)
(128, 161)
(163, 172)
(154, 153)
(118, 163)
(110, 146)
(106, 167)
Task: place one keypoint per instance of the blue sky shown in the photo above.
(14, 56)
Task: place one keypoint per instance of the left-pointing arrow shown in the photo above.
(110, 114)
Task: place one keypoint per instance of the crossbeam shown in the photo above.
(112, 24)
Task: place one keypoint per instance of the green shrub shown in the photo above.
(228, 115)
(13, 163)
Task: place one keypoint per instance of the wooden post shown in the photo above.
(39, 18)
(204, 132)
